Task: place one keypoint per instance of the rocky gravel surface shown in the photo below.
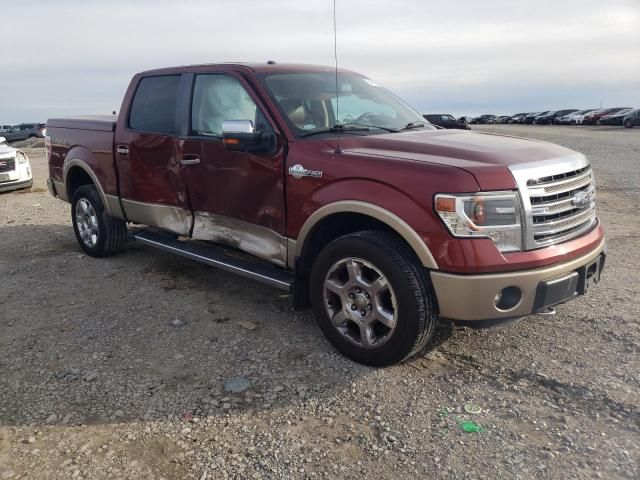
(146, 365)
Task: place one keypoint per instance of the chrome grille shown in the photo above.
(554, 213)
(558, 199)
(7, 165)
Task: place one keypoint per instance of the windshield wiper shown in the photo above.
(348, 128)
(411, 125)
(386, 129)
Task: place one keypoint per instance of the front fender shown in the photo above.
(377, 200)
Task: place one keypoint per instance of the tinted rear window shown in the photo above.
(154, 104)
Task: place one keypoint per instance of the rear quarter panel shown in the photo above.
(94, 148)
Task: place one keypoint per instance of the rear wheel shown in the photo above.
(372, 298)
(628, 123)
(98, 233)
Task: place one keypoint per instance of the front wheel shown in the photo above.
(372, 298)
(628, 123)
(98, 233)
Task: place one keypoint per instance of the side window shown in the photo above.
(153, 108)
(217, 98)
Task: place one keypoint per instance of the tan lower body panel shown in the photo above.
(472, 297)
(256, 240)
(61, 190)
(167, 217)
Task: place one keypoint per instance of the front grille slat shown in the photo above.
(7, 165)
(568, 222)
(551, 205)
(561, 186)
(556, 213)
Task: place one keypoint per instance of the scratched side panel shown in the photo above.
(263, 242)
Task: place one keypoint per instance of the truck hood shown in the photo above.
(7, 151)
(486, 156)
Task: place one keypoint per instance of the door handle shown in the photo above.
(122, 150)
(189, 159)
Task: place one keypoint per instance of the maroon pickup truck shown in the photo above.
(339, 192)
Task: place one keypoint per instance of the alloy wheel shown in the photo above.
(360, 302)
(87, 222)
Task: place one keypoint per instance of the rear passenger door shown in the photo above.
(147, 153)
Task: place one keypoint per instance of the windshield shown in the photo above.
(308, 102)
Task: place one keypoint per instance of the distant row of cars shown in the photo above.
(23, 131)
(621, 116)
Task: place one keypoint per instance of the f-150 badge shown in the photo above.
(298, 171)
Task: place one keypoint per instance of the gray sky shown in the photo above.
(70, 57)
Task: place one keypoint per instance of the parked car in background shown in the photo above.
(15, 170)
(632, 119)
(24, 131)
(572, 118)
(484, 119)
(531, 118)
(593, 118)
(445, 120)
(502, 119)
(616, 118)
(551, 116)
(518, 117)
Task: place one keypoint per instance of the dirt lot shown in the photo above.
(98, 380)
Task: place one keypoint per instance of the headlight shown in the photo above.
(21, 158)
(493, 215)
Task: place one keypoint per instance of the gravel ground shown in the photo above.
(146, 365)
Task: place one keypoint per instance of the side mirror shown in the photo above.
(239, 135)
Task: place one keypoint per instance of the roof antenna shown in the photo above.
(338, 150)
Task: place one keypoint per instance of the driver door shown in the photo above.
(237, 197)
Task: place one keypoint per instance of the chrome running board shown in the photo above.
(220, 257)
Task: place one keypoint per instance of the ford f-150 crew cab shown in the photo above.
(337, 191)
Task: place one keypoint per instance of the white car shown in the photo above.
(576, 118)
(15, 170)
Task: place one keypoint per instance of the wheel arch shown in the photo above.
(77, 172)
(375, 213)
(361, 216)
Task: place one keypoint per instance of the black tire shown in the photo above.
(628, 123)
(414, 296)
(111, 232)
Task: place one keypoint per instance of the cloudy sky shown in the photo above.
(72, 57)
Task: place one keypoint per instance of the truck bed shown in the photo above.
(86, 140)
(102, 123)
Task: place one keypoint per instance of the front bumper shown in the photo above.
(20, 177)
(472, 298)
(15, 185)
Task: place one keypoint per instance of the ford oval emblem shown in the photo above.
(581, 199)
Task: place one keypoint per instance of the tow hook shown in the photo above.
(548, 311)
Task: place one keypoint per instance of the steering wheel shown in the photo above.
(363, 118)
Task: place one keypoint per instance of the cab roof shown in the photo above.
(264, 67)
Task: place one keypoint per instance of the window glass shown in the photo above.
(353, 107)
(154, 104)
(308, 102)
(218, 98)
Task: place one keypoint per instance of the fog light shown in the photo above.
(508, 298)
